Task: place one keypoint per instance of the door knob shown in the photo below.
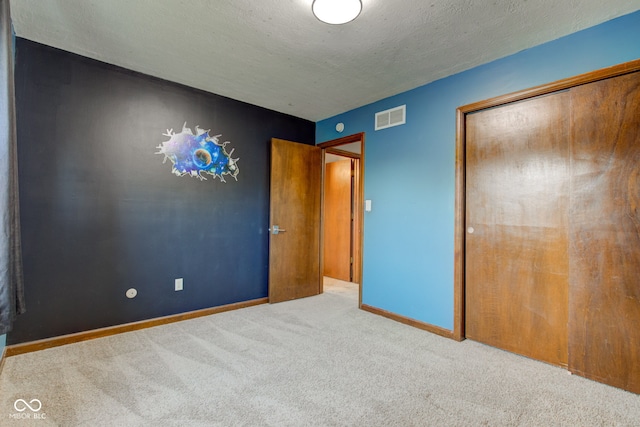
(276, 229)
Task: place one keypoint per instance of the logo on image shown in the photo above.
(34, 406)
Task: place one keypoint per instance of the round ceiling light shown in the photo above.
(336, 11)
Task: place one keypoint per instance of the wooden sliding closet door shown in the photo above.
(604, 320)
(517, 203)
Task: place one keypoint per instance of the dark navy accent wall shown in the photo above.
(100, 211)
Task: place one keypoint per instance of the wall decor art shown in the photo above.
(197, 154)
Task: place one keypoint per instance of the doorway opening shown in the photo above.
(342, 212)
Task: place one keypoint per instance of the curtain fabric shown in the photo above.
(11, 277)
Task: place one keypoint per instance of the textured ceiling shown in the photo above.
(276, 54)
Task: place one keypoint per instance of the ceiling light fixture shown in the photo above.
(336, 11)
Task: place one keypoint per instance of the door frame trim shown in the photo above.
(460, 167)
(342, 153)
(331, 146)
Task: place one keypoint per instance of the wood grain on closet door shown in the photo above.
(605, 232)
(517, 186)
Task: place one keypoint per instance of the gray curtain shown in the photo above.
(11, 278)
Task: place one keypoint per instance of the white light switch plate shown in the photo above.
(179, 283)
(367, 205)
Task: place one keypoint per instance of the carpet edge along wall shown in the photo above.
(102, 213)
(410, 169)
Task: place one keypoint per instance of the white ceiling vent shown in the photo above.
(393, 117)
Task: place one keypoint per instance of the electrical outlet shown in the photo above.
(179, 284)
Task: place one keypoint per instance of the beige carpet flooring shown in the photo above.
(318, 361)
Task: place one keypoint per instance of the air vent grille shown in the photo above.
(392, 117)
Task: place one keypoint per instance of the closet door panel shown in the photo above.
(516, 268)
(337, 220)
(604, 251)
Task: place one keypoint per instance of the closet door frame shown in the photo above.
(460, 191)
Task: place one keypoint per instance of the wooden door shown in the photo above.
(356, 224)
(517, 187)
(338, 219)
(294, 252)
(604, 330)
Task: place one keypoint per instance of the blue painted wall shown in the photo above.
(410, 177)
(3, 342)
